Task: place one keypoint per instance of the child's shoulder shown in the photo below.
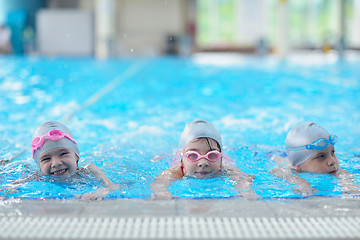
(89, 168)
(176, 171)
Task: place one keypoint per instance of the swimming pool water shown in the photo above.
(131, 131)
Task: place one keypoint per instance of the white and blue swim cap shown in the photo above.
(197, 129)
(302, 135)
(64, 142)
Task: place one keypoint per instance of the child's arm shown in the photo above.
(14, 186)
(95, 171)
(164, 180)
(302, 186)
(347, 183)
(33, 176)
(242, 182)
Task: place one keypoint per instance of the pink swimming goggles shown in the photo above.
(211, 156)
(53, 135)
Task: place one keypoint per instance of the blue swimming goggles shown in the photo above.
(319, 144)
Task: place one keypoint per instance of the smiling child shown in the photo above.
(55, 151)
(201, 154)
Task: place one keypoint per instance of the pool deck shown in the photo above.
(312, 218)
(310, 207)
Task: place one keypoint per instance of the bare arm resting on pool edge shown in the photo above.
(302, 186)
(89, 170)
(14, 186)
(241, 181)
(311, 148)
(346, 180)
(163, 181)
(55, 151)
(95, 171)
(201, 157)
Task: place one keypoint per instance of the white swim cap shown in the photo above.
(198, 129)
(302, 135)
(49, 144)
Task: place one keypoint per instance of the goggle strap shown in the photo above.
(332, 140)
(297, 148)
(48, 136)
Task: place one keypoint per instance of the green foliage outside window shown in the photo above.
(311, 22)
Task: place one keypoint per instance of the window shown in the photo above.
(243, 23)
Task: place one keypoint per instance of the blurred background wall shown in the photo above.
(107, 28)
(19, 16)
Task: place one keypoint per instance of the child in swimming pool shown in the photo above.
(201, 150)
(56, 152)
(310, 148)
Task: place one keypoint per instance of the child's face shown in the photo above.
(324, 161)
(201, 168)
(58, 162)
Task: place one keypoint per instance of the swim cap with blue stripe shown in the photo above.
(301, 135)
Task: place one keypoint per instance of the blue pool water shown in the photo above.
(133, 128)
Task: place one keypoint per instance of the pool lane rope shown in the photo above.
(129, 73)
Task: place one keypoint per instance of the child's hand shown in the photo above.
(161, 196)
(304, 188)
(99, 194)
(89, 196)
(10, 190)
(351, 191)
(305, 192)
(94, 196)
(350, 187)
(248, 195)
